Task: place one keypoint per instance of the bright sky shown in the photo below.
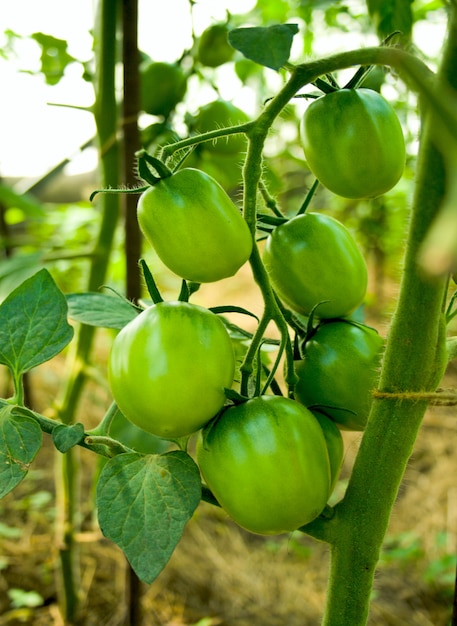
(36, 136)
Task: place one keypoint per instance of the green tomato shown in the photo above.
(225, 168)
(266, 462)
(194, 226)
(339, 372)
(168, 368)
(217, 115)
(213, 48)
(335, 446)
(353, 143)
(313, 258)
(162, 87)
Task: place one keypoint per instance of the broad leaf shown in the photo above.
(269, 46)
(33, 324)
(100, 309)
(389, 16)
(144, 503)
(20, 440)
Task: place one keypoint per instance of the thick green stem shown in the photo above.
(414, 361)
(105, 111)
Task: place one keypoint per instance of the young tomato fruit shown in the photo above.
(168, 368)
(162, 86)
(353, 143)
(221, 114)
(213, 48)
(339, 372)
(313, 258)
(194, 226)
(266, 461)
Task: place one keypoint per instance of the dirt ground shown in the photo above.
(222, 576)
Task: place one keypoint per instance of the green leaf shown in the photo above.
(144, 503)
(389, 16)
(66, 436)
(33, 324)
(269, 46)
(54, 57)
(100, 309)
(20, 440)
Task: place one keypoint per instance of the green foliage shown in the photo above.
(54, 57)
(20, 440)
(269, 46)
(100, 309)
(65, 436)
(33, 324)
(144, 502)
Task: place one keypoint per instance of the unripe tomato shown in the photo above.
(335, 446)
(162, 87)
(266, 461)
(221, 114)
(313, 258)
(169, 366)
(353, 143)
(213, 48)
(339, 372)
(194, 226)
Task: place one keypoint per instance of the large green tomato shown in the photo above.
(339, 372)
(213, 48)
(266, 461)
(194, 226)
(162, 86)
(169, 366)
(353, 143)
(221, 114)
(313, 258)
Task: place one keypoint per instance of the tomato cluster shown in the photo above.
(271, 461)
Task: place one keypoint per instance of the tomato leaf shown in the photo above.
(391, 15)
(33, 324)
(66, 436)
(20, 440)
(269, 46)
(54, 57)
(144, 503)
(100, 309)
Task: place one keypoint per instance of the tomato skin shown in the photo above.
(221, 114)
(194, 226)
(339, 372)
(335, 446)
(162, 87)
(168, 368)
(353, 143)
(266, 461)
(213, 48)
(313, 258)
